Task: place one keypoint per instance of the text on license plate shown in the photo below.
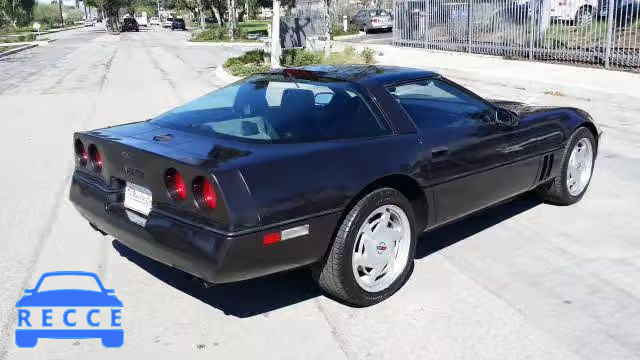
(137, 198)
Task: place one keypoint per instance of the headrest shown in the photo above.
(297, 100)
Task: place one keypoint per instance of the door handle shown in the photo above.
(439, 153)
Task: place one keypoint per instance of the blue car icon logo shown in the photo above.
(69, 305)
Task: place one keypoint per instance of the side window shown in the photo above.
(434, 104)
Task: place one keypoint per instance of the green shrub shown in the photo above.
(72, 15)
(337, 30)
(46, 14)
(217, 33)
(247, 69)
(299, 57)
(232, 61)
(255, 57)
(368, 55)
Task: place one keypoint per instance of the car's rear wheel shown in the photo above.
(372, 253)
(584, 16)
(578, 160)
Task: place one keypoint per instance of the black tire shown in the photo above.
(556, 191)
(335, 275)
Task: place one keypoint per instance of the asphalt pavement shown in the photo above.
(524, 280)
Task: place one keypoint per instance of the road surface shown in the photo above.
(524, 280)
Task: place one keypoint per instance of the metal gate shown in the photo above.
(602, 32)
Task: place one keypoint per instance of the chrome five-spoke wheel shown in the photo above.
(381, 248)
(579, 167)
(372, 252)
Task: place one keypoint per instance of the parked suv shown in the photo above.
(130, 24)
(178, 23)
(373, 19)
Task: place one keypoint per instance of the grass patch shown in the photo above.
(255, 27)
(24, 37)
(7, 48)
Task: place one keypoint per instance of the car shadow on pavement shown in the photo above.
(259, 296)
(241, 299)
(438, 239)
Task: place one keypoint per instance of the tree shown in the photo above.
(61, 17)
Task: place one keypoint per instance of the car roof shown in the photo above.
(364, 73)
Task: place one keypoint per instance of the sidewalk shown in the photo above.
(579, 82)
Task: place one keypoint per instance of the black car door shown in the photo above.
(471, 166)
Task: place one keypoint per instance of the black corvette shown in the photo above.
(340, 168)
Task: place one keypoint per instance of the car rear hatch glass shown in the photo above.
(280, 109)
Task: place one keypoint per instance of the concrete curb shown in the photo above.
(212, 43)
(352, 36)
(225, 76)
(53, 31)
(23, 48)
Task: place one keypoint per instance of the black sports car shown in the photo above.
(340, 168)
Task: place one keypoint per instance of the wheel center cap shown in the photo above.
(382, 247)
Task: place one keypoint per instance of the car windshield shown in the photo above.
(69, 282)
(378, 13)
(274, 109)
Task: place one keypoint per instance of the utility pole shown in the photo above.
(275, 35)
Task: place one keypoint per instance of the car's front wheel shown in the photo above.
(578, 160)
(373, 249)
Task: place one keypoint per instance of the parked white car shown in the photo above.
(167, 22)
(154, 21)
(581, 12)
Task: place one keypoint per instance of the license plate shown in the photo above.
(137, 198)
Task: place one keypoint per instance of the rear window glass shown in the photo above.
(378, 13)
(276, 109)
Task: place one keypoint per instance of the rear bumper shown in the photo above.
(208, 254)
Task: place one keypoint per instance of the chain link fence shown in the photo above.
(602, 32)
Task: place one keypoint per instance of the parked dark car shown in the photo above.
(130, 24)
(178, 23)
(340, 168)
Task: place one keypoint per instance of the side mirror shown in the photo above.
(28, 291)
(506, 117)
(109, 291)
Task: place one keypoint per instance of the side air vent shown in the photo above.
(547, 166)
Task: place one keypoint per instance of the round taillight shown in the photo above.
(81, 153)
(95, 158)
(175, 184)
(204, 193)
